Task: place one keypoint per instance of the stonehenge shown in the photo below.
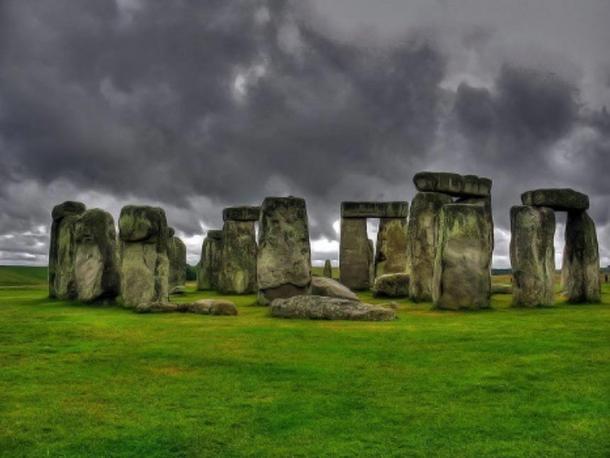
(329, 308)
(391, 285)
(209, 264)
(391, 255)
(328, 269)
(176, 253)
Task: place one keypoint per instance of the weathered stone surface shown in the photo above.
(96, 265)
(62, 283)
(211, 307)
(144, 263)
(237, 274)
(532, 255)
(452, 184)
(580, 270)
(241, 213)
(209, 264)
(558, 199)
(484, 202)
(329, 308)
(462, 267)
(397, 209)
(422, 232)
(156, 307)
(391, 256)
(328, 269)
(176, 253)
(284, 253)
(355, 257)
(392, 285)
(322, 286)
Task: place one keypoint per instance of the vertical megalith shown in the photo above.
(532, 255)
(176, 253)
(328, 269)
(581, 259)
(391, 256)
(62, 283)
(144, 263)
(96, 266)
(284, 253)
(355, 258)
(422, 232)
(462, 265)
(209, 264)
(238, 260)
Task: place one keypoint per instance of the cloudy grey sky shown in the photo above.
(195, 106)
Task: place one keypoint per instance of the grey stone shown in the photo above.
(453, 184)
(329, 308)
(237, 274)
(462, 267)
(284, 253)
(328, 269)
(96, 265)
(398, 209)
(356, 265)
(176, 253)
(143, 233)
(322, 286)
(241, 214)
(422, 232)
(580, 270)
(156, 307)
(62, 283)
(211, 307)
(209, 264)
(532, 255)
(392, 285)
(558, 199)
(391, 256)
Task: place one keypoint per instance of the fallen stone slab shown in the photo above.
(156, 307)
(210, 307)
(453, 184)
(397, 209)
(559, 199)
(241, 213)
(329, 308)
(322, 286)
(392, 285)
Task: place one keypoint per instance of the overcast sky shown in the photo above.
(198, 105)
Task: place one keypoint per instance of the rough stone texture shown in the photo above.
(211, 307)
(237, 274)
(209, 264)
(532, 255)
(355, 258)
(176, 253)
(558, 199)
(484, 202)
(62, 284)
(96, 265)
(462, 267)
(322, 286)
(580, 270)
(453, 184)
(284, 253)
(241, 214)
(143, 233)
(391, 256)
(392, 285)
(397, 209)
(156, 307)
(422, 232)
(328, 269)
(329, 308)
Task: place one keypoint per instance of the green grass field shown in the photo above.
(87, 381)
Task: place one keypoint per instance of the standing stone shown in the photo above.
(532, 255)
(328, 269)
(284, 253)
(62, 284)
(144, 269)
(96, 265)
(422, 232)
(462, 266)
(371, 262)
(355, 259)
(581, 259)
(391, 254)
(209, 264)
(176, 253)
(238, 261)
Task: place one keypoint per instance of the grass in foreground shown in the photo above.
(80, 380)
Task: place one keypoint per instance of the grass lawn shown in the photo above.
(80, 380)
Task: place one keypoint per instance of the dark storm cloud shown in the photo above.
(197, 105)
